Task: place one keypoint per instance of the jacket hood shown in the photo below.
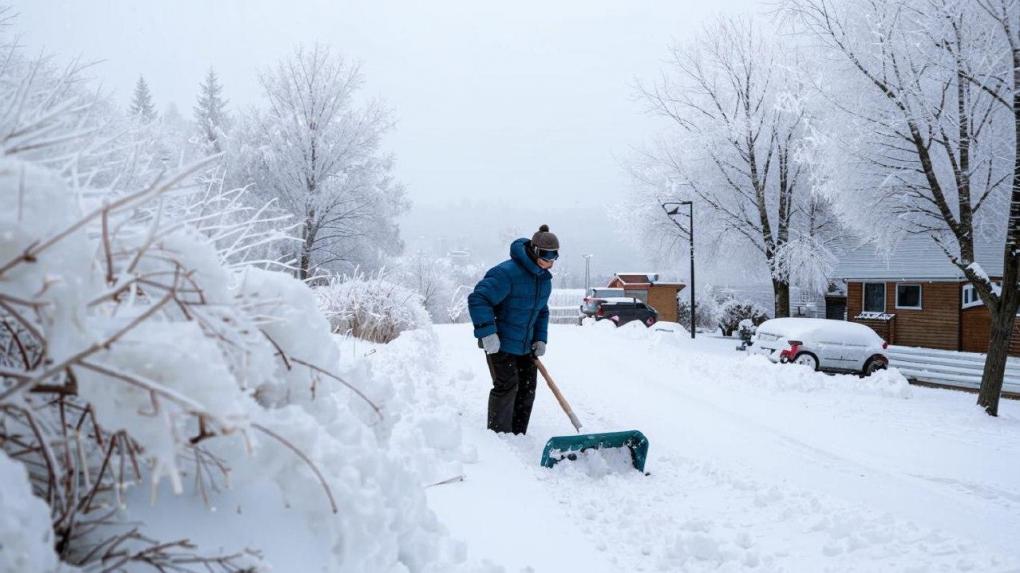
(519, 254)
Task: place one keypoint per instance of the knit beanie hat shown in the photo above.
(545, 240)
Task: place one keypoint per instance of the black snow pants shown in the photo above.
(513, 391)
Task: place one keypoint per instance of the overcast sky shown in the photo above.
(524, 103)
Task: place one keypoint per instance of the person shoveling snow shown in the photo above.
(510, 311)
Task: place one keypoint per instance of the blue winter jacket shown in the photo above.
(513, 301)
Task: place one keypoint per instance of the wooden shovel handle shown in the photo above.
(559, 397)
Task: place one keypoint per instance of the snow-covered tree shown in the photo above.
(211, 113)
(142, 107)
(316, 152)
(437, 280)
(924, 134)
(737, 107)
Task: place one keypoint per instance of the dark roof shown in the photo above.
(914, 257)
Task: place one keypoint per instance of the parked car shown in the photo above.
(624, 310)
(596, 295)
(822, 344)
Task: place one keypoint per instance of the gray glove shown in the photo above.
(538, 348)
(490, 343)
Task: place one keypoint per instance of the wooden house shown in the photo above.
(914, 296)
(660, 295)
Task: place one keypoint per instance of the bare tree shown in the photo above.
(317, 153)
(930, 135)
(736, 106)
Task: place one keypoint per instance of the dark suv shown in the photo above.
(624, 310)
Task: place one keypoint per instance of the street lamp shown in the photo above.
(672, 209)
(587, 273)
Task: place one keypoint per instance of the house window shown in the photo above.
(874, 297)
(908, 296)
(970, 297)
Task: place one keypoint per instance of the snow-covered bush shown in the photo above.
(707, 309)
(733, 311)
(371, 308)
(132, 353)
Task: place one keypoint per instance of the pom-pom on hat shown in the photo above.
(545, 240)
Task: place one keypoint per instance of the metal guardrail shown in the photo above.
(949, 368)
(565, 315)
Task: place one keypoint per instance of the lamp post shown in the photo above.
(587, 274)
(672, 209)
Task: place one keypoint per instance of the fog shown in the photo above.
(507, 114)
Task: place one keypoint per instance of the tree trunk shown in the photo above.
(1005, 313)
(781, 293)
(308, 235)
(995, 362)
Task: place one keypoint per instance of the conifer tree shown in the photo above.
(210, 113)
(142, 107)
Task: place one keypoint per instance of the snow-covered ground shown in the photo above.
(753, 466)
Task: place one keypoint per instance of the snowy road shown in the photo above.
(753, 466)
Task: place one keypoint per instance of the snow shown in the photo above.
(753, 466)
(26, 539)
(820, 330)
(978, 270)
(376, 467)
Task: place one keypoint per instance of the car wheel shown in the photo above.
(806, 359)
(650, 321)
(873, 365)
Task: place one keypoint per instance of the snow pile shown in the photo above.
(793, 377)
(596, 463)
(425, 433)
(372, 308)
(26, 539)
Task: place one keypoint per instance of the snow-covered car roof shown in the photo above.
(619, 299)
(820, 328)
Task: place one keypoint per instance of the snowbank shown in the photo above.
(26, 538)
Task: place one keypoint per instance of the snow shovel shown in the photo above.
(560, 448)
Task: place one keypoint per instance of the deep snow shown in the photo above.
(753, 466)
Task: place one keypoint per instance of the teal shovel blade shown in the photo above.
(560, 448)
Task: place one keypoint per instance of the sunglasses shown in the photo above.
(548, 255)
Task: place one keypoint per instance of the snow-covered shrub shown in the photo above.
(733, 311)
(132, 353)
(708, 308)
(371, 308)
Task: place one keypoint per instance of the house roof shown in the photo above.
(914, 257)
(637, 277)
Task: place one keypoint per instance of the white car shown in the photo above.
(822, 344)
